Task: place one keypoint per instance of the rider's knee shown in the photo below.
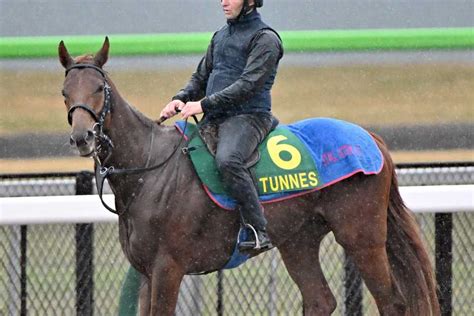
(228, 163)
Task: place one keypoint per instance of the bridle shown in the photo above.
(103, 143)
(100, 119)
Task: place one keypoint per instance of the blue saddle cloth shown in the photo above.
(338, 148)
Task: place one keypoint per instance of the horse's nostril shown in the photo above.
(82, 139)
(89, 136)
(72, 141)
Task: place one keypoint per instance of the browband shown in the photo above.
(82, 66)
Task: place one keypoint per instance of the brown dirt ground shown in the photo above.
(367, 95)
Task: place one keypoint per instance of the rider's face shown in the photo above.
(232, 8)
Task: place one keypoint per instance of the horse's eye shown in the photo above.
(64, 93)
(100, 89)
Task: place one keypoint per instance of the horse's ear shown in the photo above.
(103, 54)
(64, 57)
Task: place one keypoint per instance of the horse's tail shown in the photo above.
(411, 266)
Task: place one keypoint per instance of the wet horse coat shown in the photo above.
(168, 226)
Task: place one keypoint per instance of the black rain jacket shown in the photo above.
(237, 72)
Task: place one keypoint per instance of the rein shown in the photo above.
(101, 171)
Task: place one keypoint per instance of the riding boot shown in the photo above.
(239, 136)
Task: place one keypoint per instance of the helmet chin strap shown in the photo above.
(246, 9)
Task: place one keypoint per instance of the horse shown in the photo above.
(169, 227)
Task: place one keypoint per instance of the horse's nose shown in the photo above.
(81, 139)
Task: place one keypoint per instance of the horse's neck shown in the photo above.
(126, 132)
(137, 140)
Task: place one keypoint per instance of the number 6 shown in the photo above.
(274, 149)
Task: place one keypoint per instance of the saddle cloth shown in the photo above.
(295, 159)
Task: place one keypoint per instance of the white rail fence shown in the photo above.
(88, 208)
(452, 204)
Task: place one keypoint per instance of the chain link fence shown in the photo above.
(42, 266)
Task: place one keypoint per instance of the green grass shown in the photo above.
(189, 43)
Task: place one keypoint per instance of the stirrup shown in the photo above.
(255, 234)
(247, 245)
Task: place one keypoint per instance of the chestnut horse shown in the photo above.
(169, 227)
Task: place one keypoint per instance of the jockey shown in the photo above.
(231, 86)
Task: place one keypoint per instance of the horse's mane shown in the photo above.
(142, 117)
(84, 59)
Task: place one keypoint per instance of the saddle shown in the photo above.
(209, 134)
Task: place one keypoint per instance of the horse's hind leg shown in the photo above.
(358, 218)
(374, 267)
(301, 257)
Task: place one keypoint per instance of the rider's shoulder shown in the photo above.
(268, 34)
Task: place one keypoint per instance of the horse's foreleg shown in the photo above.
(145, 297)
(301, 257)
(165, 281)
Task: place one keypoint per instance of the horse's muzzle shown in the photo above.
(83, 141)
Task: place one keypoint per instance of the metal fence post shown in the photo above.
(84, 254)
(444, 260)
(352, 288)
(23, 262)
(220, 293)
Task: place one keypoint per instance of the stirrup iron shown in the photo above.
(254, 231)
